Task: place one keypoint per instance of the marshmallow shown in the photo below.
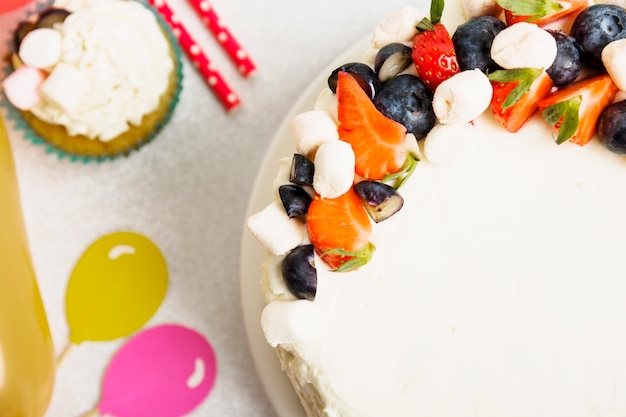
(327, 100)
(399, 26)
(22, 87)
(65, 87)
(41, 48)
(523, 45)
(334, 169)
(285, 322)
(462, 97)
(275, 230)
(448, 144)
(614, 60)
(312, 128)
(476, 8)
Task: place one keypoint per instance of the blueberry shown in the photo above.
(408, 101)
(611, 127)
(597, 26)
(380, 200)
(299, 272)
(302, 170)
(295, 199)
(472, 43)
(365, 76)
(391, 60)
(567, 64)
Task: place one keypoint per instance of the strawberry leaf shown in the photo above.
(425, 25)
(566, 113)
(534, 8)
(436, 10)
(400, 177)
(524, 78)
(359, 258)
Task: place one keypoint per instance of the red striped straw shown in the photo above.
(237, 54)
(214, 79)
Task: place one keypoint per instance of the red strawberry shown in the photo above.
(340, 230)
(379, 143)
(516, 93)
(540, 12)
(433, 52)
(574, 110)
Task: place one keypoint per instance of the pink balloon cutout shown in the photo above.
(164, 371)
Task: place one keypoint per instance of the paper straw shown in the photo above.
(214, 79)
(225, 38)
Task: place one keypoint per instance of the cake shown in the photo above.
(488, 282)
(94, 79)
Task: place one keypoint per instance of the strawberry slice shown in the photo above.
(540, 12)
(340, 230)
(516, 94)
(573, 111)
(379, 143)
(433, 51)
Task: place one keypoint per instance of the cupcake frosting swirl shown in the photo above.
(120, 49)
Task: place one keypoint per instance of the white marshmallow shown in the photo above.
(41, 48)
(462, 97)
(312, 128)
(327, 100)
(523, 45)
(275, 230)
(334, 169)
(65, 87)
(614, 60)
(621, 3)
(448, 144)
(476, 8)
(399, 26)
(21, 87)
(285, 322)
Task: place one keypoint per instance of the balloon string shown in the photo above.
(66, 351)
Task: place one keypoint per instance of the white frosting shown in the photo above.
(497, 289)
(462, 97)
(290, 321)
(119, 47)
(334, 169)
(523, 45)
(614, 60)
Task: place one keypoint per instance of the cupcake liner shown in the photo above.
(13, 115)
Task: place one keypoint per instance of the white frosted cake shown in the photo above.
(495, 290)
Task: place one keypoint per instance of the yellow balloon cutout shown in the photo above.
(116, 287)
(27, 368)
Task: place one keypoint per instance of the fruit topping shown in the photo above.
(539, 12)
(295, 200)
(567, 65)
(362, 73)
(574, 110)
(612, 127)
(50, 17)
(379, 199)
(302, 170)
(596, 27)
(433, 51)
(472, 43)
(340, 231)
(516, 94)
(408, 101)
(299, 272)
(379, 143)
(391, 60)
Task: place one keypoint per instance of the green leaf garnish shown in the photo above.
(400, 177)
(525, 78)
(564, 112)
(436, 10)
(534, 8)
(359, 258)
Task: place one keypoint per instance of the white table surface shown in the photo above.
(187, 190)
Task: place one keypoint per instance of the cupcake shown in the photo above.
(94, 79)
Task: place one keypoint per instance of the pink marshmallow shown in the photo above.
(22, 86)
